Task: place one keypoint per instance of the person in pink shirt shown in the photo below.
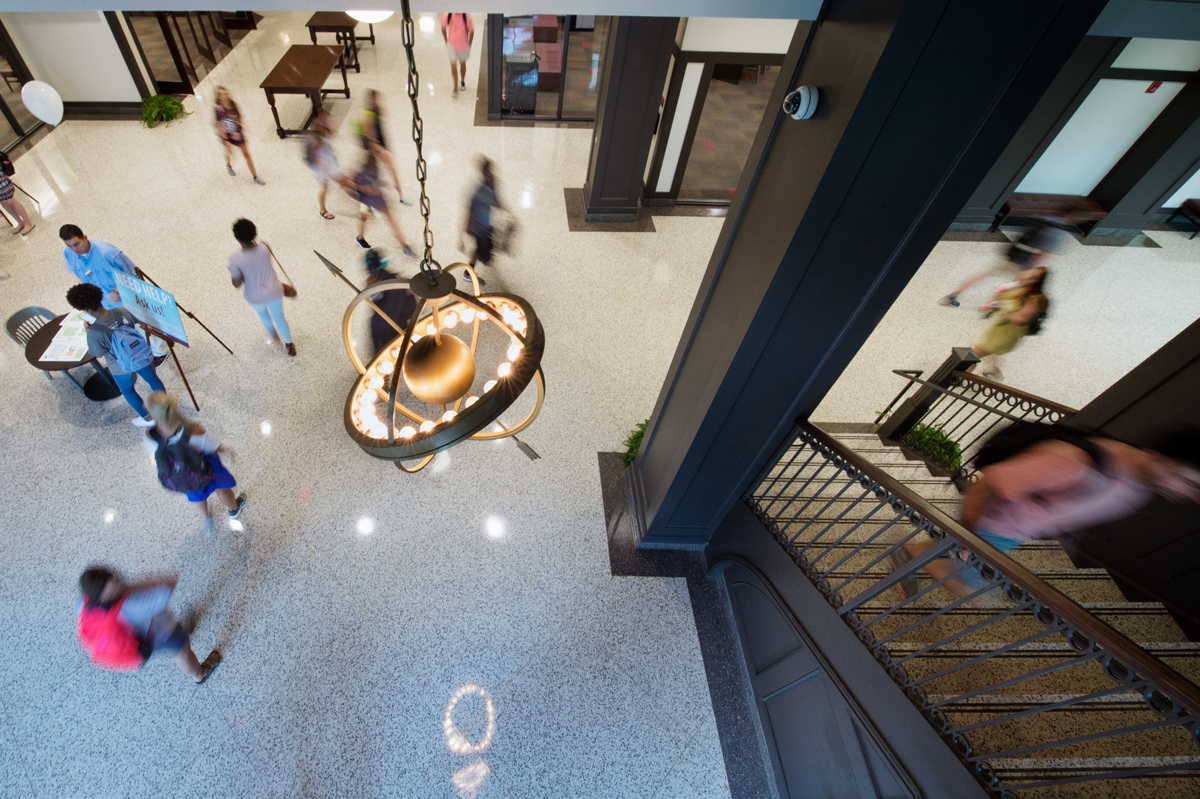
(1058, 485)
(458, 31)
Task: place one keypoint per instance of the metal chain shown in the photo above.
(429, 266)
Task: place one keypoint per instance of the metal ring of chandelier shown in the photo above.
(386, 428)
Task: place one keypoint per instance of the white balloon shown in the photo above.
(43, 101)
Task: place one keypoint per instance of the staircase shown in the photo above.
(1033, 703)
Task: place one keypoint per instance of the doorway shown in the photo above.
(16, 123)
(180, 48)
(715, 103)
(549, 66)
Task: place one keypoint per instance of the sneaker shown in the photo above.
(408, 253)
(463, 85)
(208, 527)
(209, 665)
(259, 181)
(899, 558)
(160, 359)
(362, 243)
(230, 170)
(948, 301)
(291, 348)
(404, 200)
(140, 422)
(241, 503)
(454, 91)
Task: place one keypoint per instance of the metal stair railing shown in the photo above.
(951, 414)
(841, 518)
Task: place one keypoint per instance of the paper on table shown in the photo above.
(72, 328)
(65, 351)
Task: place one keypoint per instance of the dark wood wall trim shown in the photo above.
(1087, 66)
(1149, 75)
(127, 53)
(102, 110)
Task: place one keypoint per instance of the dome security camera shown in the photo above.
(801, 103)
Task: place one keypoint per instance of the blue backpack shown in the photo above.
(130, 349)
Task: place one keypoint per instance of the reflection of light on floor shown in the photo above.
(426, 23)
(469, 780)
(455, 741)
(441, 462)
(265, 427)
(366, 525)
(109, 516)
(236, 525)
(494, 527)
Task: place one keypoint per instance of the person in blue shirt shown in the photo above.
(93, 262)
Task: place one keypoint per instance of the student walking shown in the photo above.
(1016, 312)
(479, 223)
(1038, 481)
(370, 197)
(8, 198)
(370, 133)
(318, 154)
(251, 268)
(231, 132)
(1027, 252)
(458, 32)
(121, 625)
(399, 304)
(189, 459)
(112, 335)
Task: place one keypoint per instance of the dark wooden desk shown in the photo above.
(98, 387)
(304, 69)
(342, 26)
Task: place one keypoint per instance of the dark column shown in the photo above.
(833, 216)
(635, 69)
(1158, 163)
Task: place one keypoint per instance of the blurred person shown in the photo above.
(399, 304)
(93, 261)
(318, 154)
(121, 625)
(458, 32)
(1039, 481)
(252, 271)
(113, 335)
(11, 204)
(370, 133)
(479, 223)
(189, 459)
(1016, 311)
(370, 198)
(1027, 252)
(231, 132)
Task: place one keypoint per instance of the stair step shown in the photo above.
(1039, 649)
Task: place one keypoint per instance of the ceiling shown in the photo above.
(767, 9)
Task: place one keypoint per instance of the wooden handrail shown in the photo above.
(1160, 674)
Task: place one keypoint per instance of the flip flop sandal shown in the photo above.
(209, 666)
(326, 214)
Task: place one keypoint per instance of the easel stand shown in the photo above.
(171, 341)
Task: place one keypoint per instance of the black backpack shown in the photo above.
(6, 164)
(181, 467)
(1019, 436)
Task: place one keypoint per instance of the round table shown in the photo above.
(98, 387)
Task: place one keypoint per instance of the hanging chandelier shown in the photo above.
(425, 391)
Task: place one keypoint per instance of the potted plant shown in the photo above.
(162, 108)
(634, 442)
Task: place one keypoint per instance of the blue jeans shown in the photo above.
(273, 310)
(125, 383)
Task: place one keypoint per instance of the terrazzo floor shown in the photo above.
(358, 602)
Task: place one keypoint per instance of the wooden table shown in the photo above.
(98, 387)
(342, 26)
(304, 69)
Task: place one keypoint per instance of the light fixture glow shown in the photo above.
(386, 368)
(450, 319)
(426, 426)
(488, 386)
(408, 431)
(426, 23)
(471, 401)
(448, 416)
(468, 315)
(503, 369)
(375, 382)
(514, 352)
(370, 17)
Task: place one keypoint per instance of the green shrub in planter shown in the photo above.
(162, 108)
(933, 443)
(634, 442)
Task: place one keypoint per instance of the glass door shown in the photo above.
(551, 66)
(15, 120)
(733, 108)
(586, 41)
(160, 52)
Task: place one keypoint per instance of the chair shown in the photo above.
(24, 323)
